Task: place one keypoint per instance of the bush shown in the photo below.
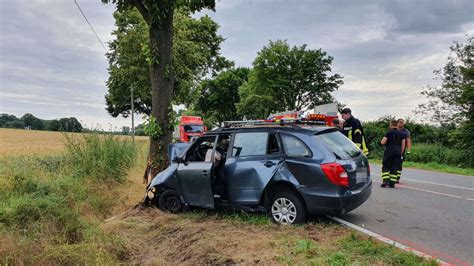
(432, 153)
(430, 144)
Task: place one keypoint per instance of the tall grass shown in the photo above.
(102, 157)
(50, 206)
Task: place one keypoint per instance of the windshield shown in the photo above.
(339, 144)
(193, 128)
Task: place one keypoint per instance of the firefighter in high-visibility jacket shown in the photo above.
(353, 130)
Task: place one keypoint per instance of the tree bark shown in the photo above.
(162, 85)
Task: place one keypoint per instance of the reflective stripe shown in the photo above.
(393, 178)
(365, 150)
(385, 176)
(349, 134)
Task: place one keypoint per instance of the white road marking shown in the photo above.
(388, 241)
(432, 183)
(438, 184)
(430, 191)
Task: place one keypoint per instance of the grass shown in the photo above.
(51, 206)
(434, 167)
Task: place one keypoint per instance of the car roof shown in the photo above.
(296, 128)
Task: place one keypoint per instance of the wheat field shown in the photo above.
(26, 142)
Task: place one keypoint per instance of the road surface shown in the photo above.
(430, 211)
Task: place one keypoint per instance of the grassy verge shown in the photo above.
(434, 167)
(202, 237)
(51, 206)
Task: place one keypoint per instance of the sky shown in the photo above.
(52, 65)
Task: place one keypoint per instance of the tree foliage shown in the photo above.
(70, 124)
(196, 53)
(453, 100)
(32, 121)
(219, 96)
(287, 78)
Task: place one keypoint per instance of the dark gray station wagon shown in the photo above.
(287, 171)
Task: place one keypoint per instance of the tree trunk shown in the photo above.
(162, 85)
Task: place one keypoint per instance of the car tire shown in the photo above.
(169, 201)
(287, 208)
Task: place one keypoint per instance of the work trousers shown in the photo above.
(391, 165)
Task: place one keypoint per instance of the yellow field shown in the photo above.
(24, 142)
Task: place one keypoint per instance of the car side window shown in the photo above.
(201, 149)
(250, 143)
(294, 146)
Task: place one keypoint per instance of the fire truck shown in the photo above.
(188, 127)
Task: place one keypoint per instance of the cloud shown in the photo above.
(52, 65)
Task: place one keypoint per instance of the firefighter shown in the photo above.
(394, 141)
(352, 128)
(406, 151)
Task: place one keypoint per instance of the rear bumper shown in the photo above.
(322, 203)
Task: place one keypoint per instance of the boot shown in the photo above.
(391, 184)
(384, 184)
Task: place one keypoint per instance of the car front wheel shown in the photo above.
(287, 208)
(169, 201)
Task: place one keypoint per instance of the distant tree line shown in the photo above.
(29, 121)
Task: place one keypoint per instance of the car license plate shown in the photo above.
(361, 177)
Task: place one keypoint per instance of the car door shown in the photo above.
(194, 175)
(253, 160)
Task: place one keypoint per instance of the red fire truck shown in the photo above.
(189, 127)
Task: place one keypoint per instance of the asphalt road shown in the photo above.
(429, 211)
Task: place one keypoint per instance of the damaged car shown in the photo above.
(290, 172)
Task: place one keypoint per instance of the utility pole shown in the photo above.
(133, 122)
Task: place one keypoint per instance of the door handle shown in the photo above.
(269, 164)
(204, 172)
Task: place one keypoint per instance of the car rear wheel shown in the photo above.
(169, 201)
(287, 208)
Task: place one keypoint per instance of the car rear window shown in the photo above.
(339, 144)
(295, 147)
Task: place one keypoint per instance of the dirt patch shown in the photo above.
(210, 238)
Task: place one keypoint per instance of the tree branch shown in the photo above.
(143, 10)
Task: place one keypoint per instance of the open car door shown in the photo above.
(194, 174)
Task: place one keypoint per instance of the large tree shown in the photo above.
(287, 78)
(453, 99)
(196, 54)
(158, 16)
(32, 121)
(220, 94)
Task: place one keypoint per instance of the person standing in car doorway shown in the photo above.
(406, 151)
(394, 141)
(352, 128)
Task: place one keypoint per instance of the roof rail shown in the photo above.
(246, 123)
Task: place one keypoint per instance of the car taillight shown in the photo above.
(368, 170)
(336, 174)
